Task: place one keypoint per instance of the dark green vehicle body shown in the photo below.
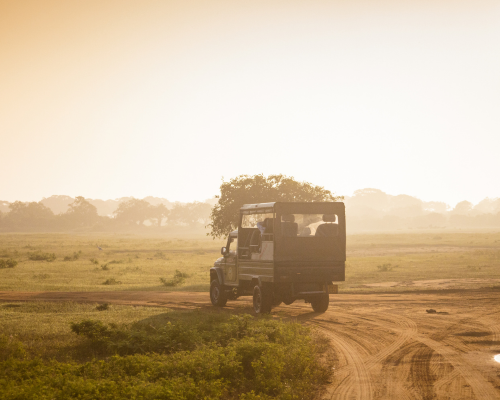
(289, 251)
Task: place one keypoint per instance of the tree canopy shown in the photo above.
(81, 212)
(31, 214)
(133, 211)
(190, 214)
(246, 189)
(158, 213)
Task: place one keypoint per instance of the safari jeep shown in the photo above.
(280, 253)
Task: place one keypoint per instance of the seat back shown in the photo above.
(289, 229)
(327, 230)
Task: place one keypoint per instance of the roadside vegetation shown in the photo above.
(78, 351)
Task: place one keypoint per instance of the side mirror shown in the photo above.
(223, 251)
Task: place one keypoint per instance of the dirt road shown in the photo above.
(388, 346)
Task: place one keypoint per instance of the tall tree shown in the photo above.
(133, 211)
(191, 214)
(158, 213)
(29, 216)
(245, 189)
(81, 212)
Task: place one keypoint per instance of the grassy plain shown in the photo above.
(134, 262)
(129, 262)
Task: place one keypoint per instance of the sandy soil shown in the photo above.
(437, 283)
(387, 346)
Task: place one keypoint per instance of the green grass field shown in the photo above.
(135, 262)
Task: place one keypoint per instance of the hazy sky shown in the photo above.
(116, 98)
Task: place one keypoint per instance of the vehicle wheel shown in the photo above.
(262, 301)
(320, 303)
(217, 295)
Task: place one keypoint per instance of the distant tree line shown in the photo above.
(373, 210)
(368, 210)
(132, 214)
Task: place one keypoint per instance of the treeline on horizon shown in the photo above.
(373, 210)
(368, 210)
(130, 215)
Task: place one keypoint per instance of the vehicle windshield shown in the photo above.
(309, 225)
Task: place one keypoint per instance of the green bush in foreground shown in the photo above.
(238, 357)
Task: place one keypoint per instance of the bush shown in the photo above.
(385, 267)
(10, 263)
(102, 307)
(39, 256)
(74, 257)
(94, 261)
(178, 279)
(10, 348)
(202, 356)
(105, 267)
(111, 281)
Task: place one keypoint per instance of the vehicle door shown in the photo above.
(230, 261)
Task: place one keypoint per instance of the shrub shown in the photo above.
(11, 348)
(188, 356)
(39, 256)
(102, 307)
(385, 267)
(94, 261)
(95, 331)
(74, 257)
(111, 281)
(178, 279)
(105, 267)
(116, 262)
(10, 263)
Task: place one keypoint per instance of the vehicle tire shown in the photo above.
(262, 301)
(217, 295)
(320, 303)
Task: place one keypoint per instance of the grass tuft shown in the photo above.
(111, 281)
(178, 279)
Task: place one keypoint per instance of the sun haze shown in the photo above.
(120, 98)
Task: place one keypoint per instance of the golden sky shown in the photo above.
(116, 98)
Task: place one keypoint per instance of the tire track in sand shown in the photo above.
(478, 383)
(359, 379)
(404, 327)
